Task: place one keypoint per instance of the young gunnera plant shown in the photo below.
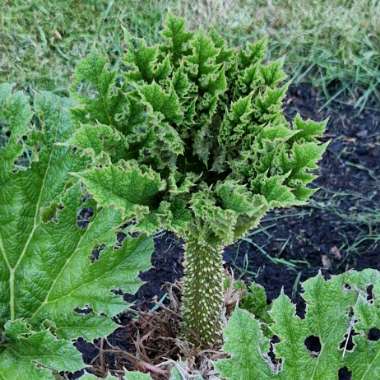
(51, 290)
(336, 337)
(190, 136)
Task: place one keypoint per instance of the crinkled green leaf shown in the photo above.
(37, 348)
(144, 60)
(255, 301)
(137, 376)
(176, 38)
(165, 103)
(217, 224)
(308, 129)
(306, 155)
(278, 132)
(95, 87)
(253, 53)
(181, 84)
(268, 105)
(93, 377)
(248, 208)
(276, 192)
(245, 341)
(204, 53)
(15, 114)
(236, 123)
(162, 145)
(103, 138)
(364, 361)
(236, 197)
(272, 73)
(126, 187)
(13, 367)
(172, 216)
(328, 317)
(335, 308)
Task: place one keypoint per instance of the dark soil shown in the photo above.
(336, 232)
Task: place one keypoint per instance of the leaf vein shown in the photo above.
(12, 300)
(59, 274)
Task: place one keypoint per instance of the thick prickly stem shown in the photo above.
(203, 293)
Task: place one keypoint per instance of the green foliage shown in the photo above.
(197, 139)
(137, 376)
(124, 186)
(128, 376)
(92, 377)
(331, 44)
(41, 42)
(255, 301)
(245, 341)
(336, 308)
(200, 121)
(46, 271)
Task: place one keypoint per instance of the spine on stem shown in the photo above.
(203, 292)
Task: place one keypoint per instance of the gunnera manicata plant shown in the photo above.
(190, 136)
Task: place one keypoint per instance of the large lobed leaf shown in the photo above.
(47, 274)
(336, 309)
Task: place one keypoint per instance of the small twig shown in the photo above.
(101, 351)
(145, 366)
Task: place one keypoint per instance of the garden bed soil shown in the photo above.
(333, 234)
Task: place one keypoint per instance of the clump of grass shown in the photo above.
(334, 44)
(41, 41)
